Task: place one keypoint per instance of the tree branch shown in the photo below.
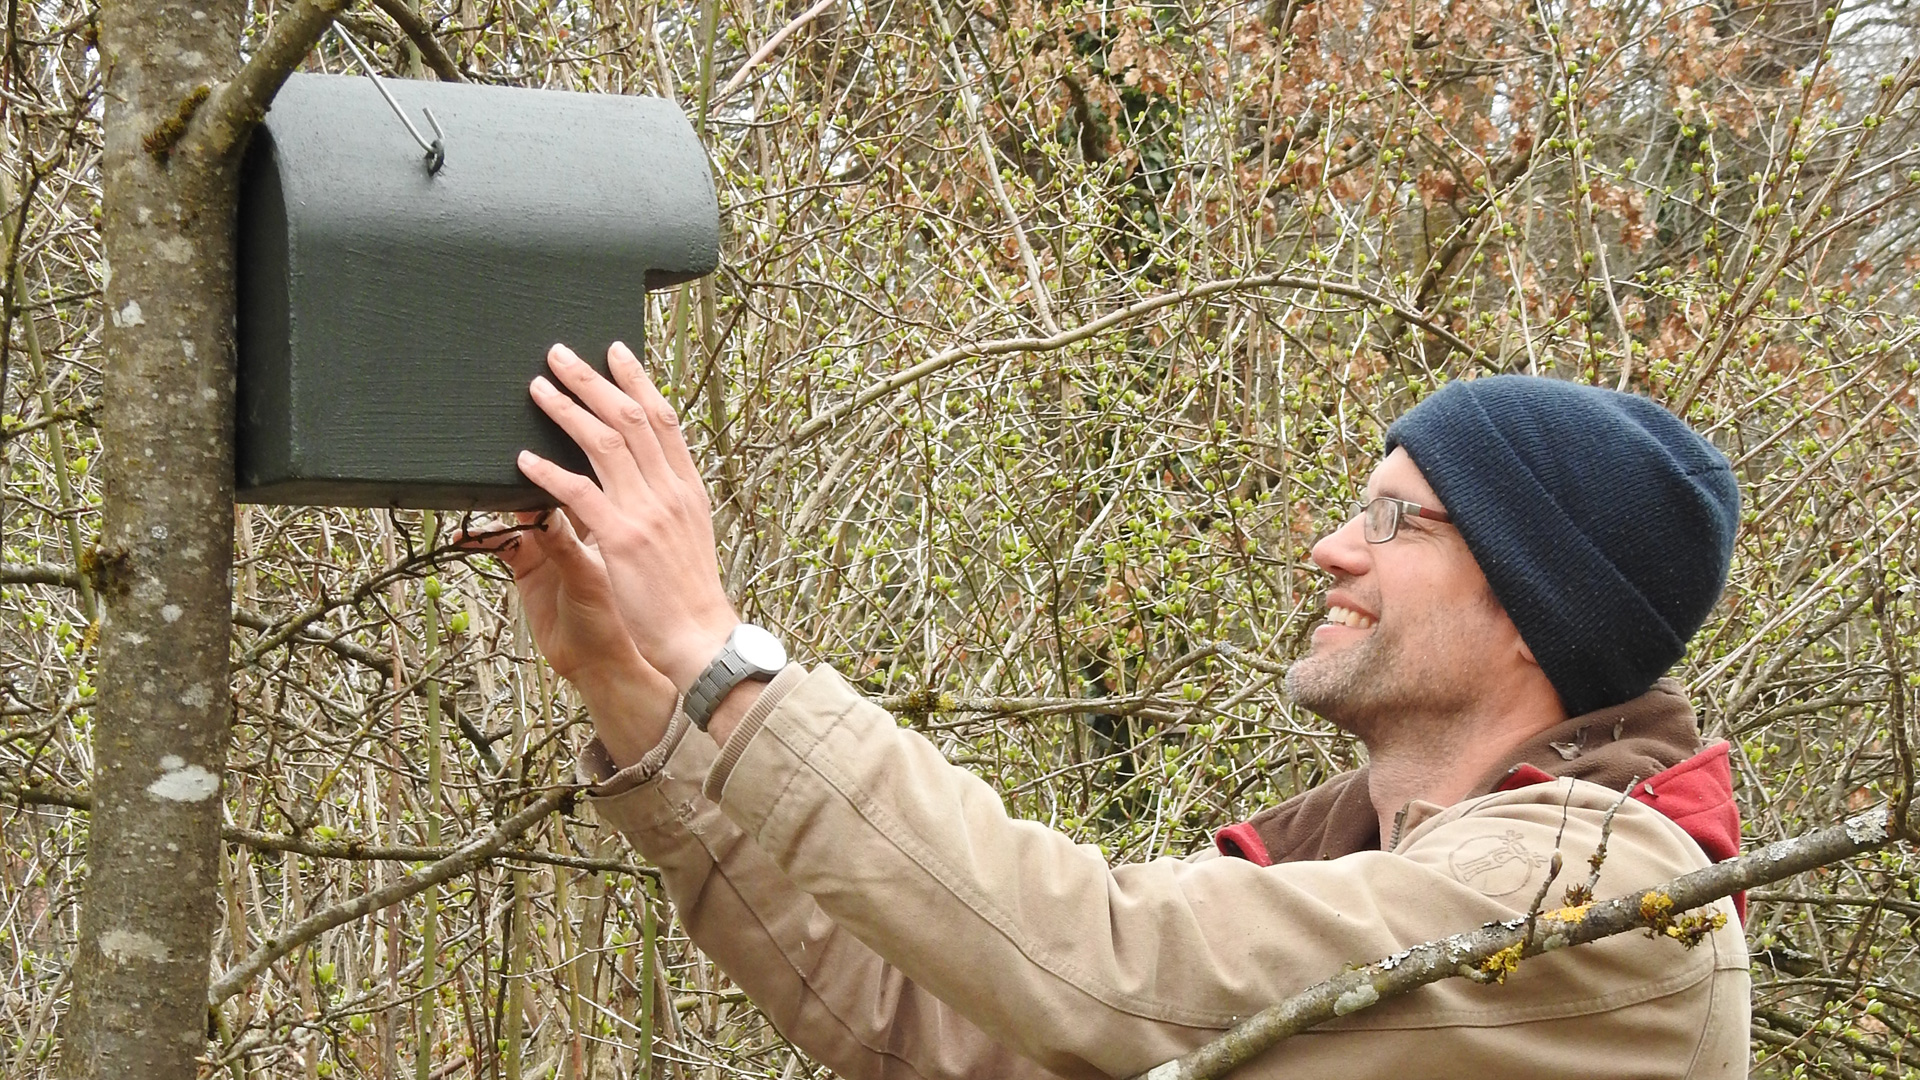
(38, 574)
(759, 55)
(340, 647)
(1488, 953)
(1797, 1031)
(418, 32)
(287, 629)
(1891, 903)
(465, 858)
(45, 574)
(348, 849)
(31, 794)
(360, 851)
(220, 127)
(376, 661)
(941, 361)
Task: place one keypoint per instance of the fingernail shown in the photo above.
(542, 386)
(563, 354)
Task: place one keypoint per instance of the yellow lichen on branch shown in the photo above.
(1689, 930)
(1496, 968)
(1491, 953)
(1655, 908)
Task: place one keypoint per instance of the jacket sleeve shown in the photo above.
(820, 986)
(1096, 970)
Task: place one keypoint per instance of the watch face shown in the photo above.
(759, 648)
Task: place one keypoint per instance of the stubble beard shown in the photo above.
(1385, 694)
(1346, 687)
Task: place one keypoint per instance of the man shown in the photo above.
(1531, 557)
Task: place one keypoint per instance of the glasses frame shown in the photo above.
(1397, 510)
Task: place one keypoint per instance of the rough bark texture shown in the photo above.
(149, 908)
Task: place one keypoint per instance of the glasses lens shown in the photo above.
(1379, 519)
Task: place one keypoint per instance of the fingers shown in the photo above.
(613, 408)
(490, 537)
(633, 378)
(582, 497)
(604, 447)
(562, 544)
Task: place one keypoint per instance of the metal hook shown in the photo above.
(436, 151)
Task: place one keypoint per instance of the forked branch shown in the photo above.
(221, 126)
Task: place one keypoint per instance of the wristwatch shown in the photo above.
(750, 653)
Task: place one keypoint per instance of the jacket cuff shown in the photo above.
(790, 676)
(596, 767)
(655, 813)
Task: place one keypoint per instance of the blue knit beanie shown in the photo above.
(1603, 523)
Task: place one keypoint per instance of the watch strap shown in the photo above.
(727, 670)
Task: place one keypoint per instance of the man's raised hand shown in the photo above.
(649, 515)
(570, 608)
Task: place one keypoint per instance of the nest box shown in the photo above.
(390, 317)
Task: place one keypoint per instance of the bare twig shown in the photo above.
(1902, 813)
(990, 159)
(360, 851)
(1584, 893)
(39, 574)
(760, 55)
(340, 647)
(431, 51)
(941, 361)
(467, 857)
(351, 850)
(1892, 903)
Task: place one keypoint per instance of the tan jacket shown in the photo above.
(892, 920)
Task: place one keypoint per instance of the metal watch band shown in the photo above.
(728, 669)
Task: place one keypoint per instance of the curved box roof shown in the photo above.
(390, 320)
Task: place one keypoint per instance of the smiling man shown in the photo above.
(1417, 658)
(1530, 558)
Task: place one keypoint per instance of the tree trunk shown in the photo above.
(149, 904)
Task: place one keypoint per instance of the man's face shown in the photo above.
(1411, 626)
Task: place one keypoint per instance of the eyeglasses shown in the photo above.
(1380, 519)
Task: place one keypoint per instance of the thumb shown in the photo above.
(561, 542)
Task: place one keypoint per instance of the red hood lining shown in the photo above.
(1696, 794)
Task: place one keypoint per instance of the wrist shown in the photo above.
(630, 708)
(749, 654)
(732, 709)
(610, 678)
(697, 650)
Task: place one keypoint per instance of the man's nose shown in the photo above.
(1344, 552)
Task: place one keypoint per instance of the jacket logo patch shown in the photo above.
(1494, 865)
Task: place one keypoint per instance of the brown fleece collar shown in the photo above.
(1611, 747)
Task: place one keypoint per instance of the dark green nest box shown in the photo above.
(390, 317)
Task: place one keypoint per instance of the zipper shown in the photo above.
(1399, 822)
